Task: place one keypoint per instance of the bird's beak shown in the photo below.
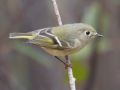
(98, 35)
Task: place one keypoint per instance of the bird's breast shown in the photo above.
(56, 52)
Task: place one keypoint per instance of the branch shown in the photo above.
(70, 73)
(57, 12)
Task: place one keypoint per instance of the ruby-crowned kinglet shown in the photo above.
(61, 40)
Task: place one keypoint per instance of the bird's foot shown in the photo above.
(68, 65)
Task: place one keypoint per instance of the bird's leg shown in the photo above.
(68, 63)
(61, 60)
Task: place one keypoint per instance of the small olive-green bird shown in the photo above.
(61, 40)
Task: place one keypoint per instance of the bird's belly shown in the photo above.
(56, 52)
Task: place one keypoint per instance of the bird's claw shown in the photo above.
(68, 65)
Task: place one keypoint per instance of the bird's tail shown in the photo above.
(21, 35)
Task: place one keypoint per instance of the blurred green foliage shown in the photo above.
(31, 52)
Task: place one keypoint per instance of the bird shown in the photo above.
(60, 40)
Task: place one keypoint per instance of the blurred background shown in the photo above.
(28, 67)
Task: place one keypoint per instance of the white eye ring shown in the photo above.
(87, 33)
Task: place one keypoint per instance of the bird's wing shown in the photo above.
(46, 38)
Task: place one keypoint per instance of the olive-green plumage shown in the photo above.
(61, 40)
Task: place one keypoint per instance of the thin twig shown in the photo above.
(70, 73)
(57, 12)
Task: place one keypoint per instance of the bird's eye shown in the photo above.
(87, 33)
